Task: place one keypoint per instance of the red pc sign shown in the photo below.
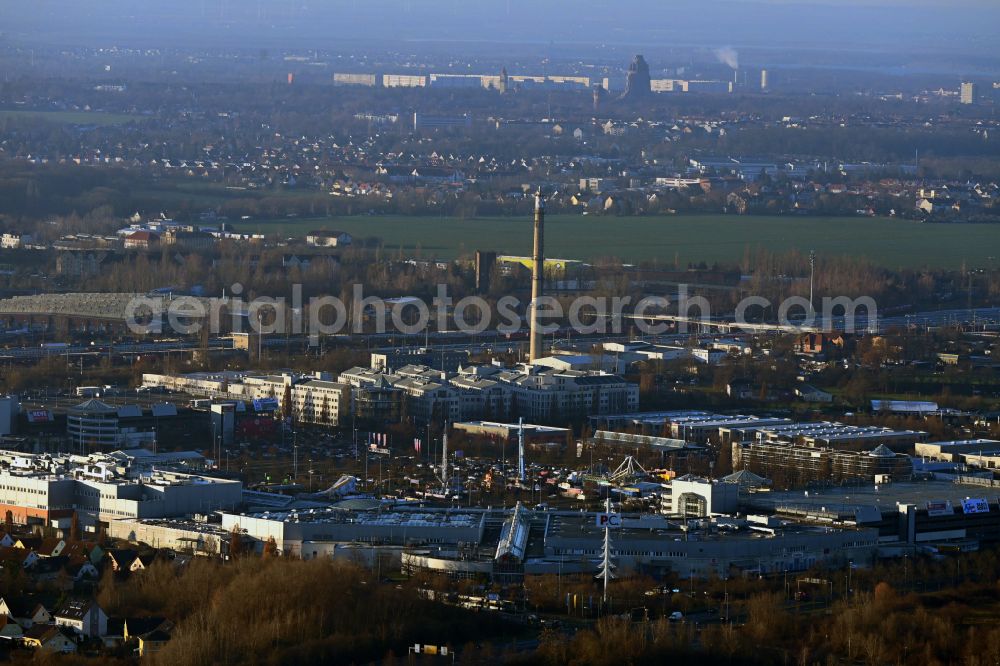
(609, 520)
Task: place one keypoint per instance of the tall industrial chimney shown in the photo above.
(537, 278)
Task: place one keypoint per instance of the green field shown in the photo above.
(184, 193)
(73, 117)
(688, 238)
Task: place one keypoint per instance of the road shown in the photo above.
(97, 349)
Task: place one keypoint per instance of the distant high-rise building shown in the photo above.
(403, 81)
(598, 95)
(347, 79)
(969, 92)
(637, 81)
(763, 79)
(504, 81)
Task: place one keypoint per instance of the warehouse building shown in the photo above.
(198, 537)
(699, 426)
(549, 542)
(952, 451)
(840, 436)
(301, 532)
(942, 516)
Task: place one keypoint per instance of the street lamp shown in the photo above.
(725, 584)
(850, 567)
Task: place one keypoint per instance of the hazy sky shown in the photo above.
(891, 25)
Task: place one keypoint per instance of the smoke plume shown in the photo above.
(728, 55)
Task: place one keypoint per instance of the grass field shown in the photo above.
(73, 117)
(170, 193)
(688, 238)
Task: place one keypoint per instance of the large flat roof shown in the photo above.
(990, 444)
(394, 518)
(885, 496)
(583, 525)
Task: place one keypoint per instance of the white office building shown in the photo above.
(321, 402)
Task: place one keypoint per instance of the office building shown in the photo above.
(46, 489)
(394, 358)
(376, 402)
(549, 395)
(93, 425)
(321, 402)
(477, 392)
(230, 384)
